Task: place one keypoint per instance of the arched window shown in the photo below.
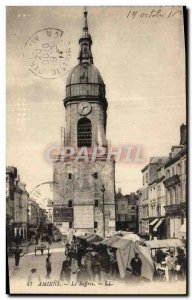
(84, 133)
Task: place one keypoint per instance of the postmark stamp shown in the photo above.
(47, 53)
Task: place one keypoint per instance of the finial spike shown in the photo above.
(85, 18)
(85, 42)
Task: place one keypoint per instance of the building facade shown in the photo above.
(139, 210)
(84, 193)
(11, 175)
(162, 206)
(126, 212)
(152, 224)
(24, 216)
(49, 210)
(176, 189)
(21, 198)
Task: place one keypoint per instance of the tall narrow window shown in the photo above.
(70, 224)
(84, 133)
(168, 173)
(171, 196)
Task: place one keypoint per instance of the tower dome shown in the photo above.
(85, 81)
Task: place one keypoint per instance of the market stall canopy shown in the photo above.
(110, 241)
(122, 232)
(85, 237)
(126, 250)
(121, 243)
(94, 239)
(169, 243)
(78, 233)
(131, 236)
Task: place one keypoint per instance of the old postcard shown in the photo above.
(96, 169)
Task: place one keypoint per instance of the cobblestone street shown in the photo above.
(29, 261)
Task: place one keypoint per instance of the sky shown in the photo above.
(142, 61)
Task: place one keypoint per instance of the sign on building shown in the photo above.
(172, 181)
(145, 227)
(62, 214)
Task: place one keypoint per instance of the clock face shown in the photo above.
(84, 108)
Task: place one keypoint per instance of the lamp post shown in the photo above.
(103, 191)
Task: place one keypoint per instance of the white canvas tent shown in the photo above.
(131, 236)
(126, 250)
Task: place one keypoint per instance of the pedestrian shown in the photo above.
(83, 268)
(42, 247)
(89, 263)
(66, 270)
(136, 265)
(96, 266)
(34, 277)
(105, 264)
(48, 265)
(181, 261)
(71, 252)
(67, 247)
(74, 270)
(113, 262)
(17, 256)
(159, 256)
(36, 239)
(80, 252)
(171, 262)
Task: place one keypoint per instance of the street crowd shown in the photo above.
(170, 267)
(96, 262)
(84, 263)
(99, 263)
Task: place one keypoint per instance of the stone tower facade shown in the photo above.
(84, 191)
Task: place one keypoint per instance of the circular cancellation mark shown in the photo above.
(47, 54)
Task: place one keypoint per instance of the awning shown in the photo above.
(153, 222)
(158, 224)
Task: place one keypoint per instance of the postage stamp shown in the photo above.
(47, 53)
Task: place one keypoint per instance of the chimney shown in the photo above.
(119, 190)
(183, 134)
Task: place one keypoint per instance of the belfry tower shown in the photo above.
(85, 101)
(84, 193)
